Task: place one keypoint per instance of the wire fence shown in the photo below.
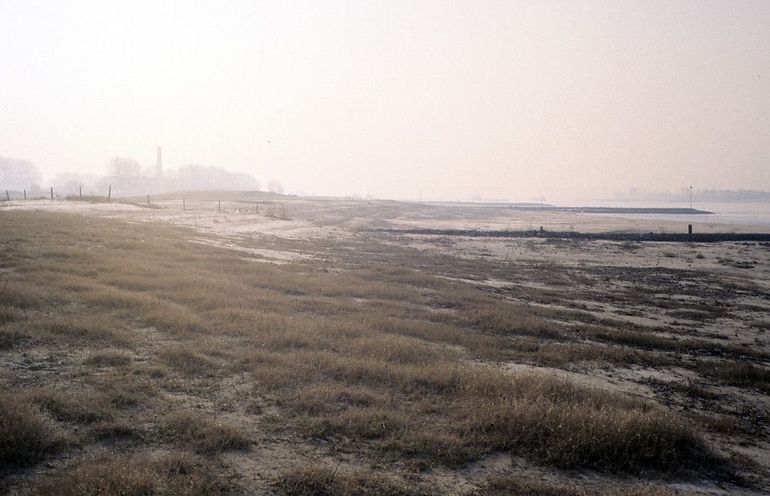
(267, 207)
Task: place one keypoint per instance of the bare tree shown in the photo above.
(17, 174)
(274, 186)
(124, 167)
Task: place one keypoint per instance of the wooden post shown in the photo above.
(109, 193)
(25, 195)
(7, 196)
(183, 204)
(80, 191)
(148, 200)
(219, 206)
(51, 192)
(256, 210)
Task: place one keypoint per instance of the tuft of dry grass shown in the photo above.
(26, 436)
(332, 398)
(151, 371)
(437, 442)
(559, 354)
(485, 346)
(508, 319)
(85, 327)
(10, 338)
(650, 341)
(109, 358)
(139, 475)
(9, 314)
(330, 482)
(559, 423)
(188, 361)
(205, 436)
(127, 390)
(478, 410)
(738, 374)
(116, 430)
(72, 406)
(20, 295)
(506, 485)
(361, 423)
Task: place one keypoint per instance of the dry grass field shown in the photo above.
(293, 351)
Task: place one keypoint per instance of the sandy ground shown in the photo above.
(235, 224)
(596, 277)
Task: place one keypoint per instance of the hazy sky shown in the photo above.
(503, 99)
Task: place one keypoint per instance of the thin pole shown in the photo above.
(182, 203)
(80, 190)
(51, 192)
(219, 206)
(690, 197)
(7, 196)
(148, 199)
(109, 193)
(25, 195)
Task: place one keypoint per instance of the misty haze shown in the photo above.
(384, 248)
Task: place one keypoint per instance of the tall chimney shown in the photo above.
(159, 164)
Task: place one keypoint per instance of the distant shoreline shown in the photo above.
(545, 207)
(612, 210)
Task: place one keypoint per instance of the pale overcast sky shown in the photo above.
(499, 98)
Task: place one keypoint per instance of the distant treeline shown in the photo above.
(125, 178)
(187, 178)
(706, 195)
(18, 174)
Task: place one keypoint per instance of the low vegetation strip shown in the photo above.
(592, 236)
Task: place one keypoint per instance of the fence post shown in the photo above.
(183, 204)
(80, 191)
(109, 193)
(25, 195)
(219, 206)
(7, 196)
(148, 200)
(51, 192)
